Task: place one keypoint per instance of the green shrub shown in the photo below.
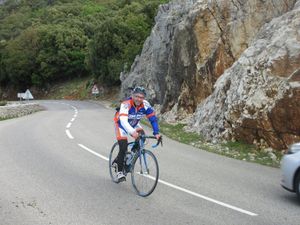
(45, 41)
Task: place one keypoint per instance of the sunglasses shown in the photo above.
(139, 96)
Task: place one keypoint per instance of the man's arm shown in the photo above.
(150, 114)
(123, 115)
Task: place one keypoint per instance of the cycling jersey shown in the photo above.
(128, 117)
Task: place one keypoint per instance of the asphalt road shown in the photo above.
(53, 170)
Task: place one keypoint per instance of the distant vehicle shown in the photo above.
(290, 167)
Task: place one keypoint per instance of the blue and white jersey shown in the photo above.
(129, 116)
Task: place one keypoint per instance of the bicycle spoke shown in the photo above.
(141, 174)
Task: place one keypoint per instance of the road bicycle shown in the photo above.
(140, 162)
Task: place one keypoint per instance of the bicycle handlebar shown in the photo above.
(159, 141)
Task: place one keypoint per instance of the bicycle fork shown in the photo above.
(143, 158)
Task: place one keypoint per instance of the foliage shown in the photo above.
(119, 39)
(43, 41)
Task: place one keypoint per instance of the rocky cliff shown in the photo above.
(234, 62)
(151, 67)
(258, 98)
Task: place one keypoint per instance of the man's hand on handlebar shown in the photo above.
(158, 136)
(135, 135)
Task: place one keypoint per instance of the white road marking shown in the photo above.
(164, 182)
(69, 134)
(159, 180)
(93, 152)
(204, 197)
(181, 189)
(72, 120)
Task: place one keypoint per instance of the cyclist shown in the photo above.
(127, 122)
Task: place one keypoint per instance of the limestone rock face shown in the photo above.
(191, 45)
(151, 67)
(258, 98)
(234, 64)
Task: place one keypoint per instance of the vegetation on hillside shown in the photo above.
(45, 41)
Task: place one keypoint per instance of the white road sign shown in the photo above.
(95, 90)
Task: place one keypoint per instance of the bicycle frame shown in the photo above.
(141, 143)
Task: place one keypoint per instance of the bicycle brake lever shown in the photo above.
(158, 142)
(161, 140)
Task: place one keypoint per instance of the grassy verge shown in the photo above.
(236, 150)
(81, 89)
(71, 90)
(7, 118)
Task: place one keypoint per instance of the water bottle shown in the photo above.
(128, 158)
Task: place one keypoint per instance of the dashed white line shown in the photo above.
(69, 134)
(181, 189)
(72, 120)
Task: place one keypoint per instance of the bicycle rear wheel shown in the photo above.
(144, 174)
(113, 167)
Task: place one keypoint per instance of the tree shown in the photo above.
(19, 61)
(62, 53)
(115, 44)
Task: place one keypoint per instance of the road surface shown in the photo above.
(54, 170)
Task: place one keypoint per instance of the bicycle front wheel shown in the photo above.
(144, 174)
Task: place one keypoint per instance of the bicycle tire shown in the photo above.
(135, 175)
(112, 168)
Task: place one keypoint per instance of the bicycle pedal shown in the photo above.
(122, 179)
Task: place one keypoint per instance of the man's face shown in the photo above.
(138, 99)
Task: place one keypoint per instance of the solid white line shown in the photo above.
(204, 197)
(91, 151)
(72, 120)
(182, 189)
(69, 134)
(75, 115)
(69, 125)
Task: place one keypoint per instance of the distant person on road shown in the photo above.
(127, 120)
